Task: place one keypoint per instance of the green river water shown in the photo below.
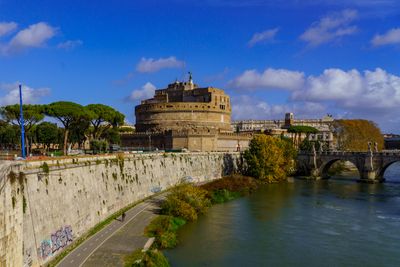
(335, 222)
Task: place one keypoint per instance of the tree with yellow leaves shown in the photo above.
(354, 135)
(269, 158)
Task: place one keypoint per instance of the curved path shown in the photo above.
(110, 245)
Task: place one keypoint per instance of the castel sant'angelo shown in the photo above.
(186, 116)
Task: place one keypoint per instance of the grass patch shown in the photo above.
(164, 228)
(150, 258)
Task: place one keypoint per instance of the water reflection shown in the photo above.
(333, 222)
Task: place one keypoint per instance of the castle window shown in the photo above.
(222, 106)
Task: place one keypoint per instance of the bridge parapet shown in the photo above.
(371, 165)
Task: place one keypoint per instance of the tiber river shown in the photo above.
(336, 222)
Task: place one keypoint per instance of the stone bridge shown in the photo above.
(371, 165)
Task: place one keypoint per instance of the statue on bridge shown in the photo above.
(375, 147)
(314, 153)
(370, 148)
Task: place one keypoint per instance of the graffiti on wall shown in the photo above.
(58, 240)
(155, 189)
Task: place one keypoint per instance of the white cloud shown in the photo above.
(333, 84)
(29, 95)
(154, 65)
(246, 107)
(330, 28)
(269, 79)
(375, 91)
(36, 35)
(369, 94)
(7, 27)
(147, 91)
(390, 37)
(70, 44)
(33, 36)
(265, 36)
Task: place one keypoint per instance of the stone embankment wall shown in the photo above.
(44, 209)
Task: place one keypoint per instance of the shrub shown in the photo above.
(186, 201)
(178, 208)
(234, 183)
(98, 145)
(150, 258)
(164, 228)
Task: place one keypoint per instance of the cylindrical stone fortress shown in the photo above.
(185, 106)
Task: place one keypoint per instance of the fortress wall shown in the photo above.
(11, 217)
(74, 195)
(177, 115)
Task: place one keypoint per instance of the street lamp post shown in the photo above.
(21, 121)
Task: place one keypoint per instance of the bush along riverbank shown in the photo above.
(184, 204)
(268, 159)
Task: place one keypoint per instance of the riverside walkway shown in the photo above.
(110, 245)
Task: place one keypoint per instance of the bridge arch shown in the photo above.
(328, 164)
(386, 166)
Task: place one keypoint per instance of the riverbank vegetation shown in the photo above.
(270, 159)
(149, 258)
(229, 188)
(164, 228)
(186, 202)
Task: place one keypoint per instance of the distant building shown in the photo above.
(279, 127)
(392, 141)
(184, 115)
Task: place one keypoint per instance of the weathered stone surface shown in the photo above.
(76, 194)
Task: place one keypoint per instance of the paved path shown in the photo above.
(118, 239)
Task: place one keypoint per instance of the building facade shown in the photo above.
(280, 127)
(186, 116)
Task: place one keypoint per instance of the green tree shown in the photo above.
(80, 130)
(298, 130)
(32, 115)
(47, 134)
(67, 113)
(354, 135)
(307, 145)
(267, 158)
(112, 135)
(289, 155)
(103, 118)
(9, 135)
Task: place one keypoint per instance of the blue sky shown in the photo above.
(308, 57)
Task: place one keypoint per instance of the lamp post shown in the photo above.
(21, 122)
